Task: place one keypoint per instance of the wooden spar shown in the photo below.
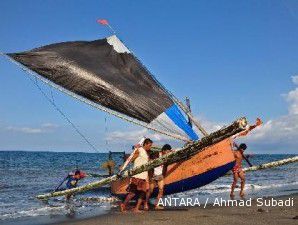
(246, 159)
(193, 119)
(97, 175)
(187, 102)
(272, 164)
(179, 155)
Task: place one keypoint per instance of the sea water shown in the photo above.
(23, 175)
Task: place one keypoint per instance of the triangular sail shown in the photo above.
(106, 73)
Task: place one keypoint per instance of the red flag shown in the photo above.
(102, 22)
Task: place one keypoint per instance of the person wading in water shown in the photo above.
(72, 181)
(138, 183)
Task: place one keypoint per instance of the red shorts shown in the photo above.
(237, 169)
(137, 185)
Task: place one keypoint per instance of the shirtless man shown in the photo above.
(139, 183)
(239, 156)
(237, 169)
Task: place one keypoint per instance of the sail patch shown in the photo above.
(117, 44)
(173, 121)
(163, 122)
(177, 117)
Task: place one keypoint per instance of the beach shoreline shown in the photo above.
(209, 215)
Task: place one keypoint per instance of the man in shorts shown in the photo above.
(139, 183)
(237, 169)
(158, 176)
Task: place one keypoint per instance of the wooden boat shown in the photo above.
(201, 169)
(179, 157)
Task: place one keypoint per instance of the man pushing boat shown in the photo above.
(239, 156)
(139, 183)
(158, 175)
(72, 180)
(237, 169)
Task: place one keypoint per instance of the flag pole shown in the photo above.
(111, 28)
(105, 22)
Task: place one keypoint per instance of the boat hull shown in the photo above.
(199, 170)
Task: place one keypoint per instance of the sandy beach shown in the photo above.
(210, 215)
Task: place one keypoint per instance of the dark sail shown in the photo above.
(106, 73)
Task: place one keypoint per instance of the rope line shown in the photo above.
(51, 101)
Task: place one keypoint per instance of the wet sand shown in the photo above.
(281, 215)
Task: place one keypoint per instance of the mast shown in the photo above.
(187, 102)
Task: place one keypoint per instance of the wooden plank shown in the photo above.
(179, 155)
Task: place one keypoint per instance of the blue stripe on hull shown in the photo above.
(197, 181)
(194, 181)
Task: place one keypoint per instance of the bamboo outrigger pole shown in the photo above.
(272, 164)
(179, 155)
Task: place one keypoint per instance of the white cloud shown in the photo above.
(50, 125)
(295, 79)
(281, 132)
(292, 98)
(276, 135)
(43, 128)
(134, 136)
(126, 135)
(209, 126)
(26, 130)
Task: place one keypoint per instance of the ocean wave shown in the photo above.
(36, 172)
(34, 212)
(223, 188)
(267, 186)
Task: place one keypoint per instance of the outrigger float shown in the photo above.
(106, 75)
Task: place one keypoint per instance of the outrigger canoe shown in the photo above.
(105, 74)
(199, 170)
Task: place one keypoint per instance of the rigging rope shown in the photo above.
(51, 101)
(106, 133)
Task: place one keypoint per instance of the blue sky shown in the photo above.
(232, 58)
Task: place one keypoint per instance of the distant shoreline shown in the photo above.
(88, 152)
